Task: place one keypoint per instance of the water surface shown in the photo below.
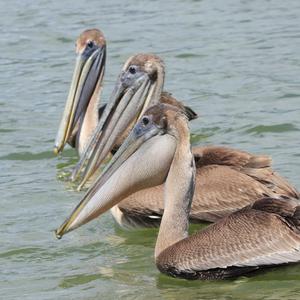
(235, 62)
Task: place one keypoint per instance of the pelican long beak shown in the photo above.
(89, 71)
(126, 105)
(141, 162)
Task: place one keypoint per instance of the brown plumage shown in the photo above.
(262, 234)
(226, 180)
(265, 233)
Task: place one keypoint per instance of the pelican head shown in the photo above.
(143, 161)
(86, 81)
(138, 86)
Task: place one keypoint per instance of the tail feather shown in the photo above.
(191, 115)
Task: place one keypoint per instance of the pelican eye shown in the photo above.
(90, 44)
(132, 70)
(145, 121)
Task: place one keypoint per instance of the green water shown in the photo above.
(235, 62)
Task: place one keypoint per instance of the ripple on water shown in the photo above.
(289, 95)
(65, 40)
(6, 130)
(80, 279)
(20, 252)
(277, 128)
(190, 55)
(123, 41)
(26, 156)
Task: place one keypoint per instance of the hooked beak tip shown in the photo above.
(59, 233)
(55, 150)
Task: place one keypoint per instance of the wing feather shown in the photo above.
(221, 190)
(226, 180)
(247, 238)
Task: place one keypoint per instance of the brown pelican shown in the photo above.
(226, 179)
(81, 112)
(139, 86)
(265, 233)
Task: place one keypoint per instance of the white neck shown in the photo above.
(90, 119)
(178, 194)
